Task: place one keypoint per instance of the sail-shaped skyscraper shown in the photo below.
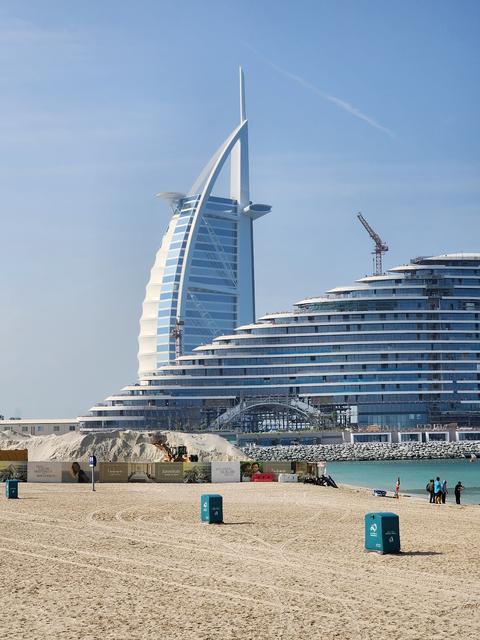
(202, 282)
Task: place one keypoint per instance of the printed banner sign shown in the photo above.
(141, 472)
(169, 471)
(247, 469)
(226, 471)
(303, 469)
(49, 471)
(13, 470)
(113, 471)
(276, 467)
(197, 472)
(78, 472)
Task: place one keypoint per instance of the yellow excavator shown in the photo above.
(172, 454)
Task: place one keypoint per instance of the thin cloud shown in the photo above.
(341, 104)
(21, 32)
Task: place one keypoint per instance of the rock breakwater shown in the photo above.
(365, 451)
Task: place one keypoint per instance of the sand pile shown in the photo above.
(117, 446)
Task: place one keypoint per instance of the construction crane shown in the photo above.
(380, 246)
(177, 333)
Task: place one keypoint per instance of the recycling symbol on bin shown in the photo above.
(373, 528)
(390, 539)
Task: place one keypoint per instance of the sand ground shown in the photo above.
(133, 561)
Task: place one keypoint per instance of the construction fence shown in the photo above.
(162, 472)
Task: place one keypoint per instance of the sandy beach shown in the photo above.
(133, 561)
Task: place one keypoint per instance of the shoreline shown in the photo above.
(410, 496)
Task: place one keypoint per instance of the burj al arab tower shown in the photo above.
(202, 282)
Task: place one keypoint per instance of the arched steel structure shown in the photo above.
(270, 406)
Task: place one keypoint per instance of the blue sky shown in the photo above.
(353, 106)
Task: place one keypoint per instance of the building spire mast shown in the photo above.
(243, 115)
(239, 179)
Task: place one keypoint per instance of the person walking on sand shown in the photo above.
(437, 487)
(431, 490)
(397, 488)
(458, 490)
(444, 491)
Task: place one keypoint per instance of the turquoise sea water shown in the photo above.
(414, 475)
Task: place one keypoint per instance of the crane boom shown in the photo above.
(380, 246)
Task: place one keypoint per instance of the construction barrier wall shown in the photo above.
(19, 455)
(152, 472)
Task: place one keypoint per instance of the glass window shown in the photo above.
(472, 435)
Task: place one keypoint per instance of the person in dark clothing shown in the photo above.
(430, 490)
(458, 490)
(444, 491)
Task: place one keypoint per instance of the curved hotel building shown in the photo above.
(399, 349)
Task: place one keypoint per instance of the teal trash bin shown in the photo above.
(382, 532)
(211, 508)
(11, 488)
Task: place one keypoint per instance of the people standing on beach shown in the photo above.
(444, 491)
(438, 491)
(458, 490)
(397, 488)
(431, 490)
